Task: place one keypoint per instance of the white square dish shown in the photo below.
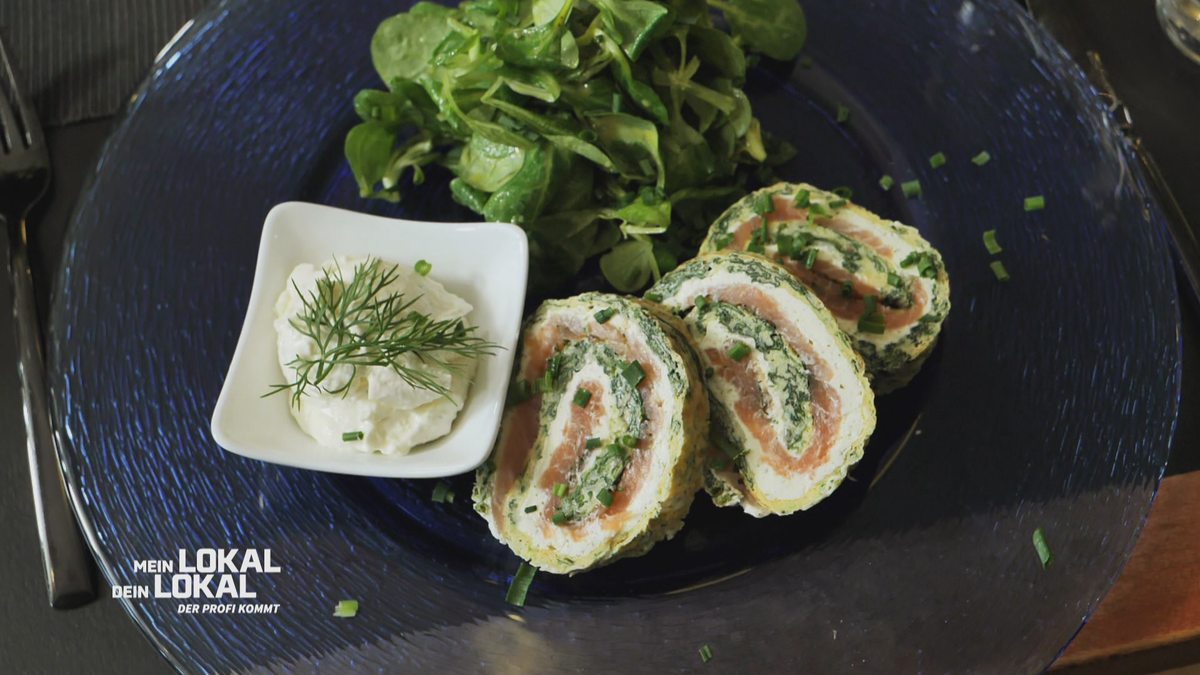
(486, 264)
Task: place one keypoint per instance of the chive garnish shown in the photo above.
(352, 436)
(810, 258)
(423, 268)
(872, 323)
(560, 489)
(705, 653)
(894, 279)
(989, 240)
(869, 304)
(843, 192)
(629, 441)
(582, 396)
(700, 302)
(818, 209)
(1035, 203)
(887, 182)
(604, 315)
(981, 159)
(519, 392)
(604, 496)
(723, 241)
(345, 609)
(762, 204)
(519, 587)
(929, 318)
(558, 518)
(739, 351)
(593, 443)
(1043, 549)
(783, 244)
(837, 203)
(999, 271)
(442, 493)
(800, 240)
(802, 199)
(843, 114)
(633, 373)
(531, 508)
(847, 289)
(653, 297)
(937, 161)
(911, 188)
(758, 238)
(552, 366)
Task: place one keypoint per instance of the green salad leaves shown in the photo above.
(603, 127)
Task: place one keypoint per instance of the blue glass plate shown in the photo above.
(1049, 403)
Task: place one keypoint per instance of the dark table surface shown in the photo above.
(1161, 87)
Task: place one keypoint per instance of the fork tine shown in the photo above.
(29, 122)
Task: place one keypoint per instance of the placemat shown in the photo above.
(80, 59)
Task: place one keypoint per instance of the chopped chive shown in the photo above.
(441, 491)
(345, 609)
(705, 653)
(719, 464)
(723, 241)
(593, 443)
(887, 182)
(708, 372)
(700, 302)
(872, 323)
(653, 297)
(783, 244)
(582, 396)
(352, 436)
(531, 508)
(604, 496)
(629, 441)
(519, 392)
(1036, 203)
(801, 240)
(558, 518)
(894, 279)
(1043, 549)
(423, 268)
(869, 304)
(999, 271)
(847, 289)
(937, 161)
(806, 62)
(810, 258)
(843, 114)
(739, 351)
(911, 188)
(843, 192)
(802, 198)
(519, 588)
(762, 203)
(989, 240)
(544, 384)
(552, 366)
(929, 318)
(818, 209)
(560, 489)
(633, 373)
(981, 159)
(604, 315)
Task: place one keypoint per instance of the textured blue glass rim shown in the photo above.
(204, 21)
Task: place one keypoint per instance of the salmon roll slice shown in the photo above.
(600, 451)
(885, 285)
(791, 406)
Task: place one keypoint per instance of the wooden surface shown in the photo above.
(1150, 620)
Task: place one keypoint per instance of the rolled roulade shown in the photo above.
(600, 451)
(791, 407)
(885, 285)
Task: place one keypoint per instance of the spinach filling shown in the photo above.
(596, 470)
(786, 380)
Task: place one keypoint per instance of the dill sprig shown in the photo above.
(354, 324)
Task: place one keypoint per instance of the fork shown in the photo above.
(24, 177)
